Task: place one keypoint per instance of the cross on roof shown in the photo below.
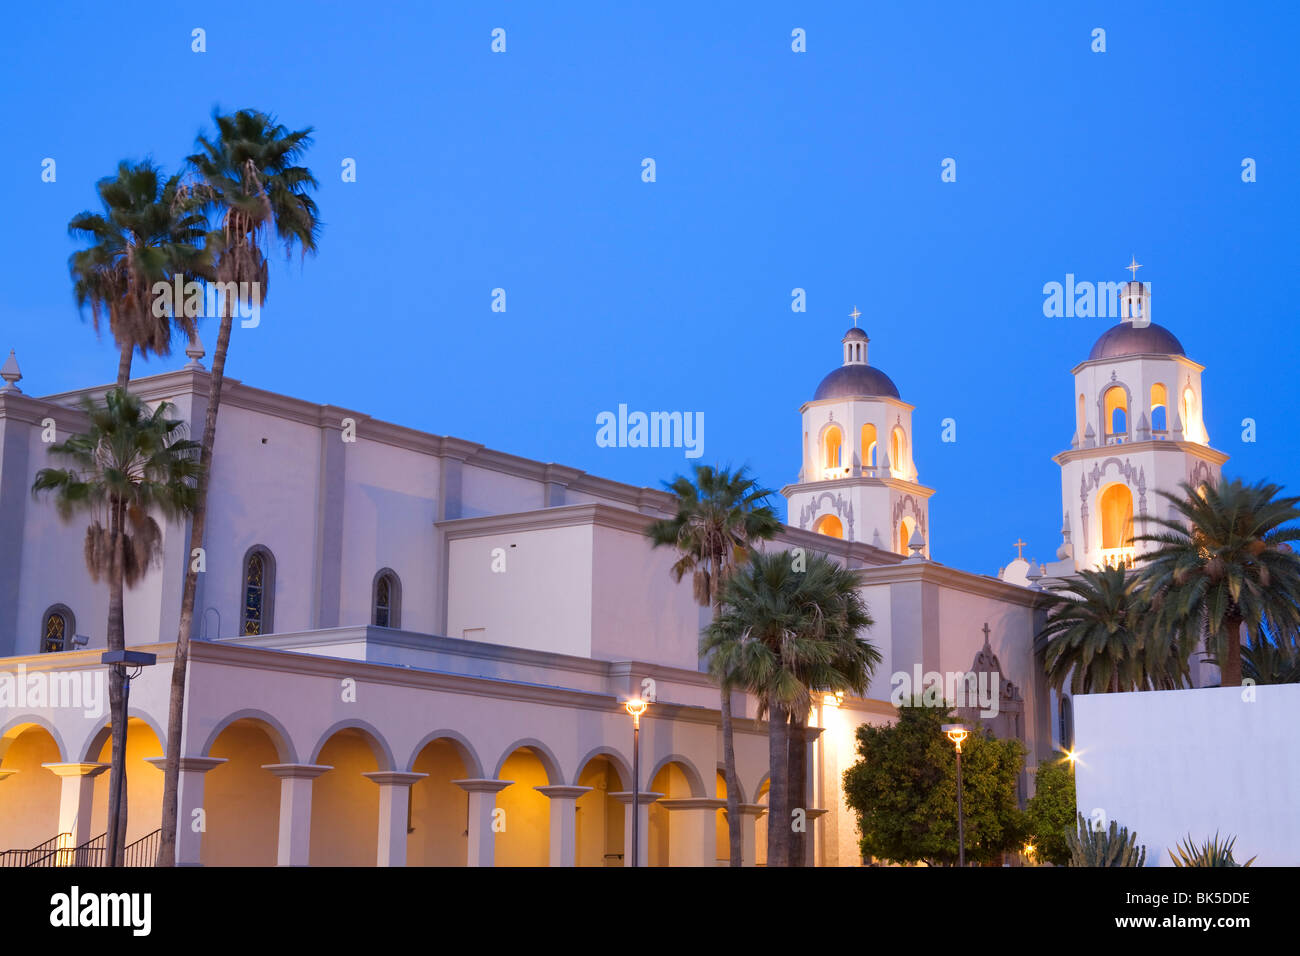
(986, 632)
(854, 316)
(1133, 267)
(1019, 545)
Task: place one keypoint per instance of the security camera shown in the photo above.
(80, 640)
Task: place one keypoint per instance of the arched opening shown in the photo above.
(1190, 431)
(29, 793)
(832, 444)
(1066, 729)
(722, 839)
(898, 452)
(526, 839)
(1116, 411)
(257, 615)
(601, 821)
(240, 799)
(344, 804)
(829, 525)
(438, 831)
(760, 831)
(1116, 508)
(1083, 416)
(869, 446)
(674, 782)
(906, 527)
(144, 781)
(1159, 408)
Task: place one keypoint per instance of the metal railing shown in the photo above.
(44, 854)
(143, 852)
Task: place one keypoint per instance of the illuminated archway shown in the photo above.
(526, 839)
(898, 452)
(241, 800)
(345, 804)
(832, 444)
(1116, 507)
(868, 446)
(1159, 407)
(29, 798)
(1115, 402)
(600, 825)
(905, 529)
(829, 525)
(439, 823)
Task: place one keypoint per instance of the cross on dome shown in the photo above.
(854, 316)
(1133, 267)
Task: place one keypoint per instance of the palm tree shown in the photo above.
(1225, 561)
(718, 518)
(130, 463)
(785, 633)
(251, 185)
(1097, 637)
(148, 233)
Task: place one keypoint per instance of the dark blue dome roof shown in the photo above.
(1129, 339)
(856, 381)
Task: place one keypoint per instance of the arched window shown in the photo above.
(832, 439)
(905, 529)
(1066, 729)
(1159, 408)
(869, 446)
(1189, 403)
(57, 629)
(830, 526)
(897, 451)
(386, 600)
(1116, 416)
(258, 613)
(1116, 507)
(1083, 416)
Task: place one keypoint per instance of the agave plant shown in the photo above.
(1209, 853)
(1097, 847)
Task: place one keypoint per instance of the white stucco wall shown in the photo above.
(1167, 764)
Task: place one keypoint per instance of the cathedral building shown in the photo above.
(399, 635)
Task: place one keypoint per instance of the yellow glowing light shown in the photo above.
(1071, 756)
(833, 700)
(636, 707)
(956, 733)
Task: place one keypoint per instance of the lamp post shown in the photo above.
(957, 733)
(636, 707)
(127, 665)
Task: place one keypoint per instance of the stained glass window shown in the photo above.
(383, 601)
(254, 588)
(56, 630)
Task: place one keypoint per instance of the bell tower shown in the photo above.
(858, 479)
(1139, 428)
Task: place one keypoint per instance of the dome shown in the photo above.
(856, 381)
(1129, 339)
(855, 334)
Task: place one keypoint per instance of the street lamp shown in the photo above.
(636, 707)
(127, 665)
(957, 733)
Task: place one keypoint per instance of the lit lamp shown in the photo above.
(957, 733)
(127, 665)
(636, 707)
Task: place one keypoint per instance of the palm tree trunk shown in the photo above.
(124, 365)
(1230, 672)
(798, 785)
(778, 800)
(198, 523)
(734, 831)
(116, 638)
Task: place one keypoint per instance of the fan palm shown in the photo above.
(129, 464)
(719, 515)
(148, 232)
(250, 183)
(1223, 562)
(784, 634)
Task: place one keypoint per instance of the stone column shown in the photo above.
(809, 845)
(189, 797)
(482, 801)
(749, 814)
(693, 830)
(564, 822)
(394, 800)
(644, 799)
(76, 801)
(295, 810)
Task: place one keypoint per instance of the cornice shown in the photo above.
(856, 400)
(854, 481)
(930, 572)
(563, 516)
(1157, 356)
(1195, 449)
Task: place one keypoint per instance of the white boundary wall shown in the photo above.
(1166, 763)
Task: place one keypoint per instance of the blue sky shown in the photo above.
(775, 170)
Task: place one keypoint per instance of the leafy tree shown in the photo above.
(251, 184)
(148, 232)
(1049, 815)
(719, 516)
(904, 790)
(790, 629)
(1225, 561)
(130, 463)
